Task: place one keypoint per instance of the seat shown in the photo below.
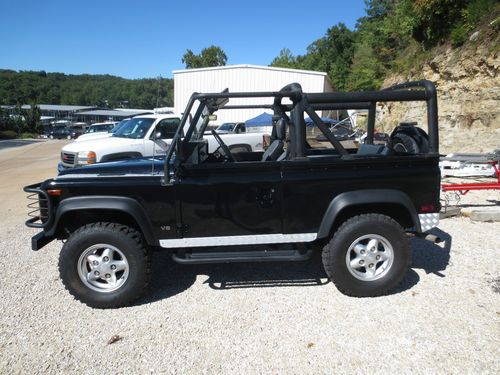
(275, 149)
(366, 149)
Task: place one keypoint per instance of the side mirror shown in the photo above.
(212, 117)
(158, 141)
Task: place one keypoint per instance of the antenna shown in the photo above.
(153, 158)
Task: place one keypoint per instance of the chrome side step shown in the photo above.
(205, 257)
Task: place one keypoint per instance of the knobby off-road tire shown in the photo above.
(367, 256)
(105, 265)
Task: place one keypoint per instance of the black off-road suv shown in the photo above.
(356, 205)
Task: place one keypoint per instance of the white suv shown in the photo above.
(98, 130)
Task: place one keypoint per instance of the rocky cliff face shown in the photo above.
(468, 84)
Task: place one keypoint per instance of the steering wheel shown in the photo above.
(223, 146)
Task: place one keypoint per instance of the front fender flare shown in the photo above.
(126, 205)
(368, 196)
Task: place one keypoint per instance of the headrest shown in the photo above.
(280, 127)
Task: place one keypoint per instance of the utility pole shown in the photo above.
(158, 92)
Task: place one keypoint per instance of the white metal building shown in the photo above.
(243, 78)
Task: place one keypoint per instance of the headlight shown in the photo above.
(86, 157)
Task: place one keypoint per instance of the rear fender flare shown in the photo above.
(125, 205)
(365, 197)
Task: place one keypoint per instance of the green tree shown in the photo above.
(208, 57)
(366, 71)
(434, 19)
(332, 54)
(85, 89)
(32, 120)
(285, 59)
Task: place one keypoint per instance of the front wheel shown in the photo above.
(368, 255)
(105, 265)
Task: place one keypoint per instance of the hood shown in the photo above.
(100, 144)
(137, 166)
(93, 136)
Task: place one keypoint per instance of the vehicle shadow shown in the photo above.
(10, 143)
(268, 274)
(491, 203)
(428, 256)
(170, 278)
(167, 279)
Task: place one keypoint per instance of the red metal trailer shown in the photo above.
(465, 188)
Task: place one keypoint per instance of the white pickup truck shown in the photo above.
(135, 139)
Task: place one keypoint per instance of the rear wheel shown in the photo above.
(367, 256)
(105, 265)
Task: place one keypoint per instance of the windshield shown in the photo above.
(135, 128)
(118, 126)
(228, 127)
(97, 129)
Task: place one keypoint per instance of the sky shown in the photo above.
(147, 38)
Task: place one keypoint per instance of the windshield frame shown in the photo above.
(210, 103)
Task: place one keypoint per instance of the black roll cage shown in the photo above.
(423, 90)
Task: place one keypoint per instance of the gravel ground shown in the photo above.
(260, 318)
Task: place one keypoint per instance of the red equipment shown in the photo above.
(465, 188)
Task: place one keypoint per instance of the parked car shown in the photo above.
(63, 133)
(101, 130)
(205, 205)
(232, 127)
(104, 127)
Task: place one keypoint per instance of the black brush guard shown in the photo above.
(39, 207)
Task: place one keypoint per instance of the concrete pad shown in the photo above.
(450, 212)
(485, 215)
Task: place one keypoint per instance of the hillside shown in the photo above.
(26, 87)
(454, 43)
(468, 84)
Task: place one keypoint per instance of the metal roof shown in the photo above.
(114, 113)
(249, 66)
(134, 110)
(57, 107)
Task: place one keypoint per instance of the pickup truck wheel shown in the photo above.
(367, 256)
(105, 265)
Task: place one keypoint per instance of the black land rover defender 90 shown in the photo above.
(356, 204)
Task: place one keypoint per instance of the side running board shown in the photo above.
(242, 256)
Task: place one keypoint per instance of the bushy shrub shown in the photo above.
(8, 134)
(27, 135)
(471, 15)
(459, 35)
